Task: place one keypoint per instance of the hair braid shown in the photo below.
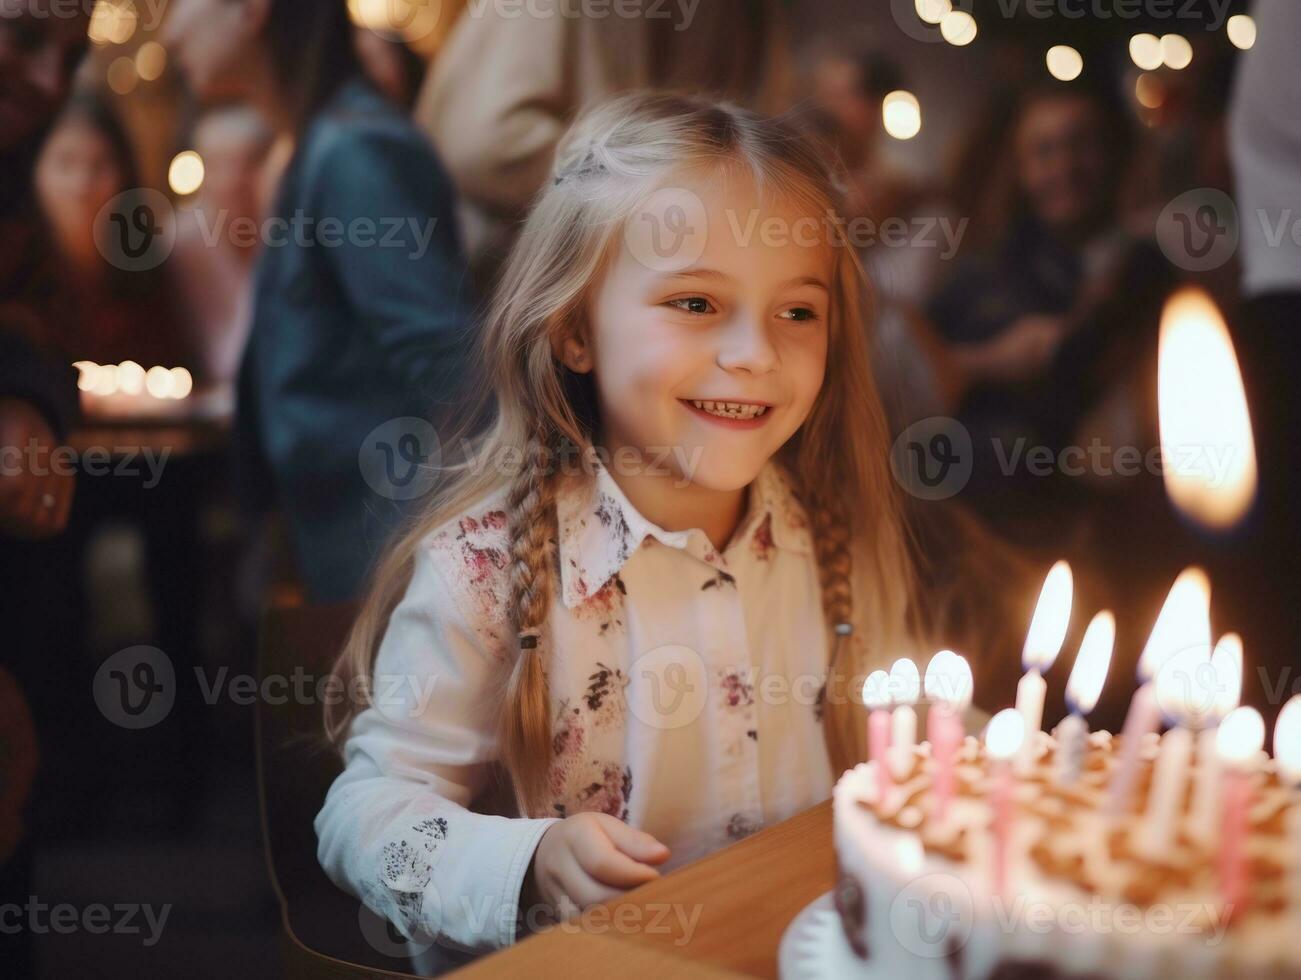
(831, 542)
(526, 711)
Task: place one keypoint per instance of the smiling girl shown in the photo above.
(625, 632)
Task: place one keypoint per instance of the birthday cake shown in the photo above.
(1082, 893)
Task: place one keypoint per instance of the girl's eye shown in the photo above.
(800, 314)
(692, 304)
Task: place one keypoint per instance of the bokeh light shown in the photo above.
(185, 175)
(1065, 63)
(933, 11)
(958, 28)
(902, 115)
(1242, 31)
(1145, 51)
(1176, 52)
(151, 59)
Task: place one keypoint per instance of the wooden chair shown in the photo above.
(321, 934)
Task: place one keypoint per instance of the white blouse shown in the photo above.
(684, 684)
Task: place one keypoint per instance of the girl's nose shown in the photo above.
(746, 345)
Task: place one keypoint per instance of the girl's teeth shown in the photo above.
(730, 410)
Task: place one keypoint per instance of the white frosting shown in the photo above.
(928, 914)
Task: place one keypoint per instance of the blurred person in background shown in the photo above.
(1049, 329)
(360, 308)
(1265, 142)
(86, 162)
(391, 65)
(38, 407)
(507, 83)
(214, 255)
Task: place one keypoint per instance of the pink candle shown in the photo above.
(1003, 738)
(1238, 742)
(948, 686)
(876, 695)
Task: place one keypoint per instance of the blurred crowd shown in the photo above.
(1022, 300)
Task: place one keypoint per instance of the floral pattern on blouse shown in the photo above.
(657, 650)
(407, 866)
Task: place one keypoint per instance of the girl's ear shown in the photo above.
(573, 353)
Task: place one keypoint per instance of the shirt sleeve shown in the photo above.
(395, 829)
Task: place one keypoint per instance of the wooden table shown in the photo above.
(722, 916)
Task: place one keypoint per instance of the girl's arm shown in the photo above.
(395, 829)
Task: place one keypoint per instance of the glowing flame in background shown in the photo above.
(1206, 436)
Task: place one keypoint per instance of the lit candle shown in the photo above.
(948, 687)
(1082, 690)
(1043, 641)
(1238, 742)
(1184, 623)
(876, 696)
(905, 687)
(1201, 402)
(1287, 755)
(1165, 798)
(1003, 738)
(1225, 669)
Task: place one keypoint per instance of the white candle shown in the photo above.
(1287, 755)
(1169, 782)
(1226, 673)
(905, 687)
(1082, 691)
(1237, 742)
(876, 695)
(1003, 738)
(1043, 641)
(1183, 625)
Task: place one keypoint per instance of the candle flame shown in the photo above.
(876, 690)
(1241, 735)
(1184, 623)
(1091, 663)
(1207, 446)
(948, 679)
(1287, 740)
(1227, 664)
(1052, 617)
(905, 681)
(1004, 734)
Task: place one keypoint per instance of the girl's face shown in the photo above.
(210, 41)
(739, 314)
(77, 175)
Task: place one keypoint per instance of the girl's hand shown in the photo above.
(587, 859)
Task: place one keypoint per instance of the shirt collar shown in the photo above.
(599, 529)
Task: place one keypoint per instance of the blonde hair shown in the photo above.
(837, 463)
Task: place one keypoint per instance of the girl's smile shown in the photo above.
(730, 414)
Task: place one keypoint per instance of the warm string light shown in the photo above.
(1064, 63)
(129, 378)
(901, 115)
(186, 172)
(1241, 29)
(958, 28)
